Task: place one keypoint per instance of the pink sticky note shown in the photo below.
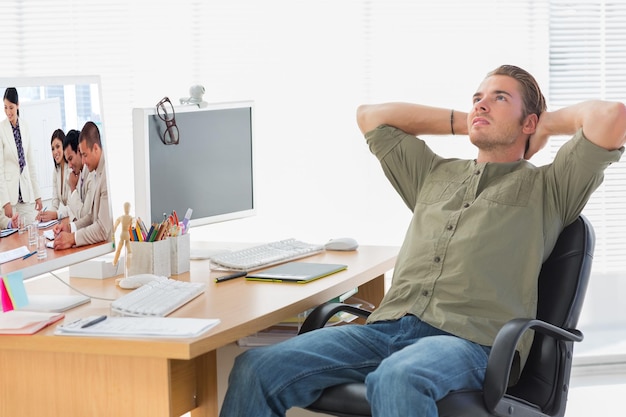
(7, 305)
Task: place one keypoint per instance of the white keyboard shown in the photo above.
(157, 298)
(268, 254)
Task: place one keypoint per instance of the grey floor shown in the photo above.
(598, 381)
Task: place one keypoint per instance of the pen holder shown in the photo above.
(180, 251)
(150, 258)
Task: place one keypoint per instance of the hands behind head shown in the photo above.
(538, 140)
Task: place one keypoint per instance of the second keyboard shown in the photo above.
(264, 255)
(157, 298)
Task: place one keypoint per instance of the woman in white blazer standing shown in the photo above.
(19, 189)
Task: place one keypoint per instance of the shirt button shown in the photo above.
(466, 205)
(437, 259)
(450, 227)
(425, 293)
(477, 172)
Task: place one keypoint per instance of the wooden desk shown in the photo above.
(47, 375)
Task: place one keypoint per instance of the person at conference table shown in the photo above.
(19, 188)
(78, 181)
(8, 223)
(59, 206)
(96, 225)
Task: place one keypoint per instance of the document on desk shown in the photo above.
(49, 234)
(12, 254)
(43, 225)
(137, 327)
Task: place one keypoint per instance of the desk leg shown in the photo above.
(373, 290)
(206, 385)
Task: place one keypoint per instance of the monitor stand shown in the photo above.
(204, 250)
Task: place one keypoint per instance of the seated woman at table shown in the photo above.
(61, 189)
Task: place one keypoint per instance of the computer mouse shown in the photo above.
(136, 281)
(341, 243)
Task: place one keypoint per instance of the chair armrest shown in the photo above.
(503, 353)
(322, 313)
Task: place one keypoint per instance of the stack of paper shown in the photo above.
(12, 254)
(138, 327)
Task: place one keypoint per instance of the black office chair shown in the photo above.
(543, 385)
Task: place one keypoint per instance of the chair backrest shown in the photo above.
(562, 285)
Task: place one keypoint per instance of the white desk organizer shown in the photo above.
(180, 252)
(150, 258)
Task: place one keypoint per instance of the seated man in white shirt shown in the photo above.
(93, 224)
(78, 178)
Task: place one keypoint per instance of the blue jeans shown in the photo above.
(406, 364)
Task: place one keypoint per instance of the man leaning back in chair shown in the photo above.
(480, 231)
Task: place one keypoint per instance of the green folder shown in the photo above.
(298, 272)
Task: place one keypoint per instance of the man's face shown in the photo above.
(73, 159)
(91, 157)
(496, 116)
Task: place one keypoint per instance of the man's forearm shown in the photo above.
(415, 119)
(603, 122)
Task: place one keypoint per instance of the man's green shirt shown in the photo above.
(479, 232)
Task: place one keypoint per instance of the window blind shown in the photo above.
(587, 61)
(309, 64)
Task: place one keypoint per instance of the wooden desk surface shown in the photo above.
(244, 307)
(70, 376)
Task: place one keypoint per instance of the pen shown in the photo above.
(29, 255)
(231, 276)
(40, 213)
(94, 321)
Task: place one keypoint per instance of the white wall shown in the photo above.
(308, 65)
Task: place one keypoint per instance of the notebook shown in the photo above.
(7, 232)
(298, 272)
(26, 322)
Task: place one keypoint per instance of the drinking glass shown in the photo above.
(32, 234)
(42, 250)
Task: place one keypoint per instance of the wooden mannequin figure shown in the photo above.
(125, 220)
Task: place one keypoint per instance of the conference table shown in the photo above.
(55, 259)
(49, 375)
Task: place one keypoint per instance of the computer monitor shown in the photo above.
(210, 169)
(47, 104)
